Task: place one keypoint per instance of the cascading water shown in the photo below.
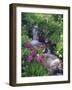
(35, 35)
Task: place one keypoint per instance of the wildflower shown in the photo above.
(40, 58)
(29, 58)
(33, 53)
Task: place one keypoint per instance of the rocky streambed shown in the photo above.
(54, 65)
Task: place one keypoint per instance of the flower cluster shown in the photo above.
(30, 58)
(40, 59)
(36, 53)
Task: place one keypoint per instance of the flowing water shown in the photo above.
(35, 36)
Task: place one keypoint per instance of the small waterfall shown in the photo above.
(35, 35)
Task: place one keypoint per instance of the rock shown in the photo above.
(53, 65)
(35, 42)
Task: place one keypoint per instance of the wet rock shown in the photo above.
(53, 65)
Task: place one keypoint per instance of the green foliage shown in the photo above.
(24, 36)
(59, 47)
(33, 69)
(25, 52)
(55, 28)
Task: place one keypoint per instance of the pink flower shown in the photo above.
(27, 45)
(40, 58)
(33, 53)
(29, 58)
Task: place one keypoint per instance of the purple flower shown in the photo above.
(40, 59)
(29, 58)
(33, 53)
(27, 45)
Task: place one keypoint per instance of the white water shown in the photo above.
(35, 36)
